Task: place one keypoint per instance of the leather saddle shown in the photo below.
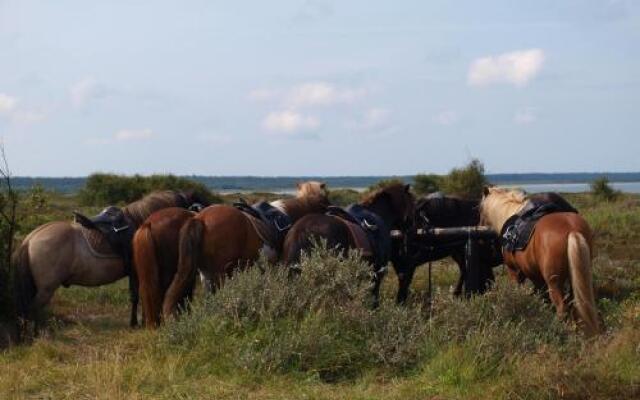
(113, 224)
(374, 229)
(276, 222)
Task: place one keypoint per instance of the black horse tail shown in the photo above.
(25, 287)
(190, 248)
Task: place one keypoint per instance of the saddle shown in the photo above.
(369, 232)
(270, 223)
(518, 229)
(114, 227)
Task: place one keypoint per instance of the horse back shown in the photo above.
(310, 229)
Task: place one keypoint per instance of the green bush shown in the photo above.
(319, 323)
(427, 183)
(101, 189)
(601, 190)
(343, 197)
(467, 181)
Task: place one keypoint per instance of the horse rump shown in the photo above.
(25, 286)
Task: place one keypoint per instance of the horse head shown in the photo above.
(395, 204)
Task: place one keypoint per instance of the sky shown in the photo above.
(319, 87)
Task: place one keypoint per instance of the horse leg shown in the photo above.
(404, 283)
(134, 297)
(461, 261)
(556, 294)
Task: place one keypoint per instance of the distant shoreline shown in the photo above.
(252, 183)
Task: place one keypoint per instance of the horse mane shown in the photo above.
(374, 196)
(139, 210)
(500, 204)
(310, 197)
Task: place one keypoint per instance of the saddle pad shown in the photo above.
(97, 243)
(360, 238)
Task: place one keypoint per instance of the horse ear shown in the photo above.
(485, 190)
(298, 185)
(407, 188)
(323, 185)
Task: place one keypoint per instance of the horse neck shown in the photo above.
(138, 216)
(450, 212)
(500, 211)
(383, 210)
(298, 207)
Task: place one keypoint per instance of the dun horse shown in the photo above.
(386, 209)
(222, 238)
(60, 254)
(559, 250)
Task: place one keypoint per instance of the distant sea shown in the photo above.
(532, 182)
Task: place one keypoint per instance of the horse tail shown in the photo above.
(147, 269)
(579, 256)
(190, 247)
(25, 286)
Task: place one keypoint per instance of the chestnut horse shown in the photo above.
(392, 206)
(58, 254)
(222, 238)
(560, 250)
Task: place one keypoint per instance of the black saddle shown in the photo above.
(278, 222)
(377, 232)
(518, 229)
(115, 227)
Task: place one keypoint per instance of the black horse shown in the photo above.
(440, 211)
(365, 226)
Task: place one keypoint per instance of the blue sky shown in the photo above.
(315, 87)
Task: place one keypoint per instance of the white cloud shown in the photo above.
(310, 94)
(322, 94)
(517, 68)
(525, 116)
(446, 118)
(374, 118)
(85, 90)
(124, 135)
(11, 109)
(7, 104)
(289, 122)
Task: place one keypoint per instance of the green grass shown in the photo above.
(265, 336)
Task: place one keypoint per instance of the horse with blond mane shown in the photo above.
(222, 238)
(559, 251)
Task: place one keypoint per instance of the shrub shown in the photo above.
(343, 197)
(287, 324)
(601, 190)
(467, 181)
(427, 183)
(101, 189)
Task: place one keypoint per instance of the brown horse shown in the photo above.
(560, 250)
(61, 254)
(389, 208)
(221, 238)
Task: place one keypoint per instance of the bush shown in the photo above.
(319, 323)
(287, 324)
(343, 197)
(101, 189)
(465, 182)
(601, 190)
(427, 183)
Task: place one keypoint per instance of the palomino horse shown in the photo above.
(390, 208)
(59, 254)
(439, 211)
(560, 249)
(221, 238)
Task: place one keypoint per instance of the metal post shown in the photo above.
(474, 282)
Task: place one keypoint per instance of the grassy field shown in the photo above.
(265, 337)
